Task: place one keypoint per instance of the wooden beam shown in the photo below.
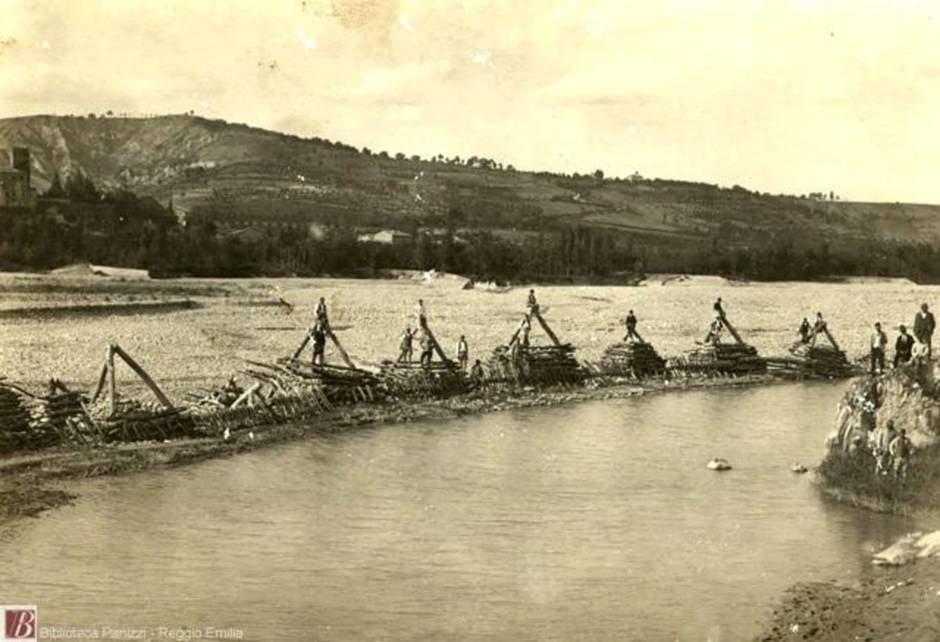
(144, 376)
(300, 350)
(548, 330)
(831, 338)
(112, 381)
(101, 381)
(339, 347)
(734, 333)
(245, 396)
(436, 345)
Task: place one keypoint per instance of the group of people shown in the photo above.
(889, 446)
(907, 348)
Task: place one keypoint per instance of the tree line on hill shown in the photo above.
(84, 224)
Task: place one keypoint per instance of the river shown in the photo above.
(597, 521)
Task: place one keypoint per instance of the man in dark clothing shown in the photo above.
(924, 325)
(879, 342)
(321, 311)
(630, 322)
(532, 303)
(903, 347)
(719, 311)
(319, 343)
(476, 372)
(804, 331)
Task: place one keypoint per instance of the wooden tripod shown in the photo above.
(109, 376)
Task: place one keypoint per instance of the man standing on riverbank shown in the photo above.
(879, 342)
(903, 347)
(924, 325)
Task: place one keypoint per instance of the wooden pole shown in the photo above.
(300, 350)
(515, 335)
(245, 396)
(101, 381)
(831, 338)
(436, 345)
(339, 347)
(548, 330)
(112, 381)
(734, 333)
(144, 376)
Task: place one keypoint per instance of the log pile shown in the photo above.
(339, 384)
(436, 379)
(823, 360)
(16, 431)
(129, 420)
(631, 359)
(536, 365)
(720, 359)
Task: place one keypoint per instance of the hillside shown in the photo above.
(244, 174)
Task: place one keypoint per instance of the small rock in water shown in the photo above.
(799, 468)
(719, 464)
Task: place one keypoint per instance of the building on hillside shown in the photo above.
(15, 189)
(386, 237)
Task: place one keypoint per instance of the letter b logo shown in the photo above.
(19, 623)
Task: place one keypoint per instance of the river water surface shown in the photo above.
(597, 521)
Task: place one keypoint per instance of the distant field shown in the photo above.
(242, 319)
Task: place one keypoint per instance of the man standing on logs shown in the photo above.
(719, 311)
(924, 325)
(532, 303)
(406, 346)
(903, 347)
(321, 312)
(319, 343)
(463, 353)
(427, 348)
(526, 329)
(879, 341)
(632, 334)
(804, 331)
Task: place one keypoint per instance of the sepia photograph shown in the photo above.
(483, 320)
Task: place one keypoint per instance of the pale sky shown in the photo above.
(777, 96)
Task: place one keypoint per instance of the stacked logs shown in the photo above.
(133, 420)
(15, 430)
(536, 365)
(815, 360)
(720, 359)
(632, 359)
(433, 380)
(340, 384)
(63, 414)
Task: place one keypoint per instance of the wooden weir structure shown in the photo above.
(291, 389)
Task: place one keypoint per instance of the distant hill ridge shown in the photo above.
(241, 173)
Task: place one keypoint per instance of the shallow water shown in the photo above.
(598, 521)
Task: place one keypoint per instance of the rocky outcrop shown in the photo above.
(860, 464)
